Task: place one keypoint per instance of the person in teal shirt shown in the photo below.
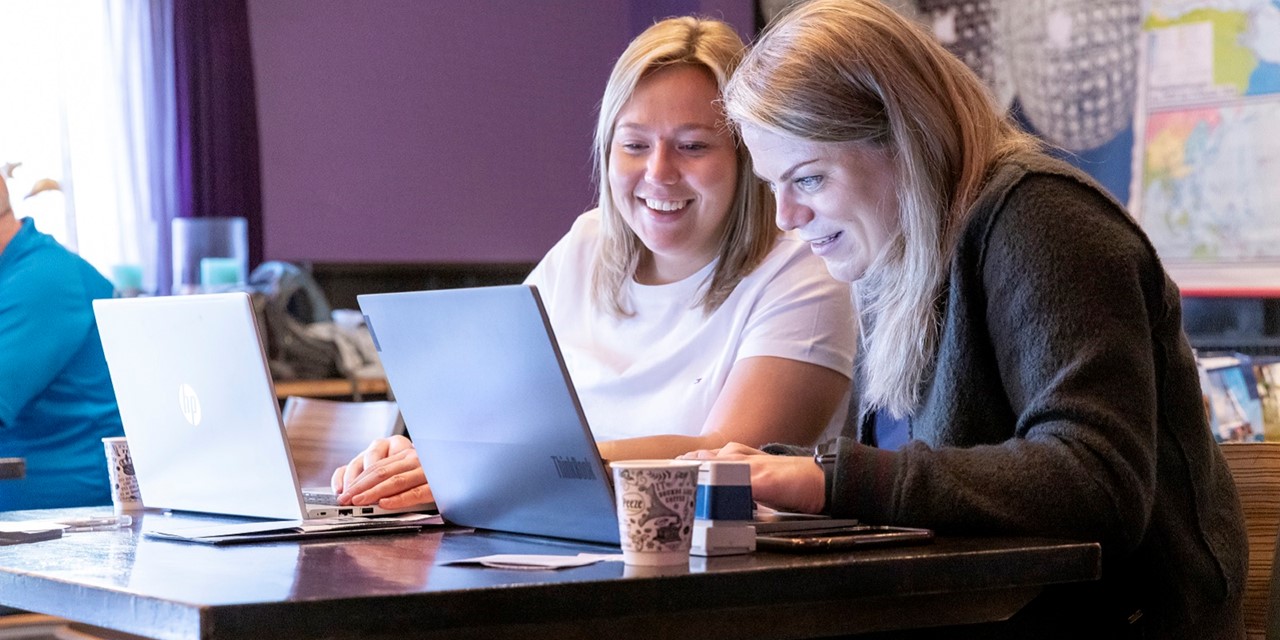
(56, 398)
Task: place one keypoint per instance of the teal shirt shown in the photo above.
(56, 399)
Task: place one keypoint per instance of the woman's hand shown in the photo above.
(786, 483)
(387, 473)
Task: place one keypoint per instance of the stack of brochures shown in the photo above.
(1242, 396)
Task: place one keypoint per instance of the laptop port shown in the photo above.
(367, 510)
(344, 512)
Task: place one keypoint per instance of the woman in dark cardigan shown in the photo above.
(1011, 313)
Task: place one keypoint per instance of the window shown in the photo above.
(87, 103)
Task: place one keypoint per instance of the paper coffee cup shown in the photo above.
(655, 509)
(125, 495)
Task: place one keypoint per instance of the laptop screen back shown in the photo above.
(198, 405)
(489, 405)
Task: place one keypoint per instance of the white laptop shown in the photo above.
(200, 411)
(492, 412)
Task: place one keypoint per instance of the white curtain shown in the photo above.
(86, 100)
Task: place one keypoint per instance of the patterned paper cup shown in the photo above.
(125, 495)
(655, 509)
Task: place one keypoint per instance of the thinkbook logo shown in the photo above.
(573, 468)
(189, 403)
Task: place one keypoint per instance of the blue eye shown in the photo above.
(633, 147)
(695, 146)
(809, 183)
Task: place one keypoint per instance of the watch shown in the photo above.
(826, 460)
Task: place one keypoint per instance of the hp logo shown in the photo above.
(189, 404)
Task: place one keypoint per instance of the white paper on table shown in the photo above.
(537, 562)
(29, 531)
(30, 526)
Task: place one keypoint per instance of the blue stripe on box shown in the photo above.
(724, 502)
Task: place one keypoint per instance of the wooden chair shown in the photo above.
(1273, 615)
(20, 625)
(326, 434)
(1255, 467)
(29, 626)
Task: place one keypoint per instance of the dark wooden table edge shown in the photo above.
(704, 602)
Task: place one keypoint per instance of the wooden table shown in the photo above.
(333, 388)
(397, 586)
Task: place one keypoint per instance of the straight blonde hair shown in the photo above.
(749, 234)
(856, 71)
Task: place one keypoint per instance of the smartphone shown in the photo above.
(779, 523)
(852, 537)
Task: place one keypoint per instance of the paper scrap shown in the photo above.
(538, 562)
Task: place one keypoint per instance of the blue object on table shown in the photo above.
(722, 517)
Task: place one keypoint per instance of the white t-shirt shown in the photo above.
(661, 370)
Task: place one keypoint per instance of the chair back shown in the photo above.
(326, 434)
(1255, 467)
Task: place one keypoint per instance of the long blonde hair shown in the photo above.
(855, 71)
(749, 233)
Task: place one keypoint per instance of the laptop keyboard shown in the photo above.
(320, 496)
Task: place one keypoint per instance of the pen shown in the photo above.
(101, 523)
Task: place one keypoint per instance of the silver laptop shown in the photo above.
(490, 407)
(199, 408)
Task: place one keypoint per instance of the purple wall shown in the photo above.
(435, 130)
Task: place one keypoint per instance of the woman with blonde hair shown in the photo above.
(686, 318)
(1012, 314)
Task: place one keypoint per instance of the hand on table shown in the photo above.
(387, 473)
(787, 483)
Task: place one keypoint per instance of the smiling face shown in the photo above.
(673, 171)
(840, 197)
